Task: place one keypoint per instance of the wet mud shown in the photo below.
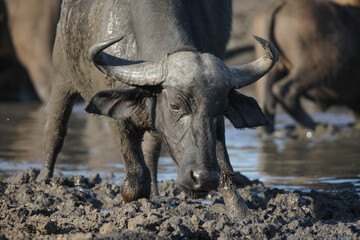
(76, 207)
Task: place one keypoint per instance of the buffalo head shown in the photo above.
(184, 95)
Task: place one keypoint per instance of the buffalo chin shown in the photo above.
(192, 193)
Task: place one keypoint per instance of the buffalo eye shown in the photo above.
(175, 107)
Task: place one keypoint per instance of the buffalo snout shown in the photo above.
(205, 181)
(198, 182)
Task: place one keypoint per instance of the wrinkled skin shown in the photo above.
(31, 25)
(167, 84)
(318, 43)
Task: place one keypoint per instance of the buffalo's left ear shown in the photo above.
(117, 102)
(244, 112)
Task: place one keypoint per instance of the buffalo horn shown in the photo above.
(247, 74)
(135, 73)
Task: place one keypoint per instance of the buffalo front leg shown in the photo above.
(234, 203)
(137, 181)
(58, 110)
(151, 147)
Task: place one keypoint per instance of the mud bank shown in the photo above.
(81, 208)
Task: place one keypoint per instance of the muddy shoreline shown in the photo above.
(88, 208)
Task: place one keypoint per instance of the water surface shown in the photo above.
(329, 162)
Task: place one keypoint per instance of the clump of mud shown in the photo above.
(86, 208)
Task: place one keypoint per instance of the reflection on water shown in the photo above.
(327, 162)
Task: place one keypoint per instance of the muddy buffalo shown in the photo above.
(318, 43)
(30, 32)
(161, 78)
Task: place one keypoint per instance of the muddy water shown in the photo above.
(327, 162)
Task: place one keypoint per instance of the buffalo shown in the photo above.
(28, 31)
(161, 79)
(318, 43)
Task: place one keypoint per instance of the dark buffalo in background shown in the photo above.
(27, 29)
(173, 86)
(319, 50)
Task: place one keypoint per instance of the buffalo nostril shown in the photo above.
(198, 177)
(205, 180)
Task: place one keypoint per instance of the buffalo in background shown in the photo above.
(319, 48)
(27, 33)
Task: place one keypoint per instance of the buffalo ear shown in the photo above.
(244, 112)
(116, 103)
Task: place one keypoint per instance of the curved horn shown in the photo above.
(249, 73)
(136, 73)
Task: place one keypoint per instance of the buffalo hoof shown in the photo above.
(132, 189)
(44, 176)
(235, 204)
